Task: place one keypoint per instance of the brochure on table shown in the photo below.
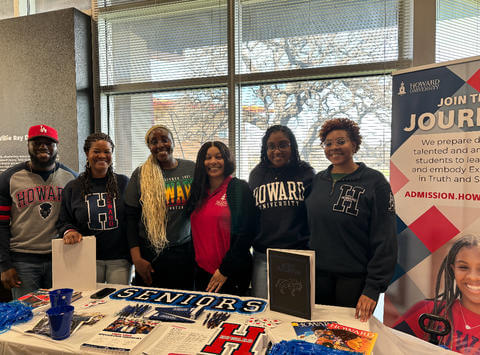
(336, 336)
(40, 299)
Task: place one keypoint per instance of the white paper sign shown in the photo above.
(74, 265)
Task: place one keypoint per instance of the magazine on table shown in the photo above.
(36, 299)
(122, 336)
(39, 298)
(306, 330)
(336, 336)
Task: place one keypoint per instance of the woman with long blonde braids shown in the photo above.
(158, 230)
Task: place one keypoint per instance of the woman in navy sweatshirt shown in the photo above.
(351, 214)
(93, 204)
(278, 183)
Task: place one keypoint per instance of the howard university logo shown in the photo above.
(102, 211)
(279, 194)
(348, 200)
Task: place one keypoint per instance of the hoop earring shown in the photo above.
(87, 165)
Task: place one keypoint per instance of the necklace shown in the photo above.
(464, 321)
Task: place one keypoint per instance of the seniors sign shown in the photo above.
(435, 172)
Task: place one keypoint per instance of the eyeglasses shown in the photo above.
(283, 145)
(338, 142)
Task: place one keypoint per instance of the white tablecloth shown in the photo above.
(389, 341)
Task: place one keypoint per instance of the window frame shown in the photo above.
(234, 81)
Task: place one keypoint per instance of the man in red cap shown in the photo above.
(30, 198)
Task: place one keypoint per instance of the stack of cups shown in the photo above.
(61, 313)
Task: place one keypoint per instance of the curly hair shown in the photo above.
(200, 182)
(346, 124)
(295, 156)
(85, 178)
(443, 302)
(153, 197)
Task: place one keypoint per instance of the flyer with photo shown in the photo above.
(122, 335)
(336, 336)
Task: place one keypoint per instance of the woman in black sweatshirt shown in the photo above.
(351, 215)
(278, 183)
(93, 204)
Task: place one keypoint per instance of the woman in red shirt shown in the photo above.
(223, 219)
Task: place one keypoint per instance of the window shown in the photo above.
(282, 35)
(292, 62)
(15, 8)
(457, 29)
(178, 40)
(193, 116)
(7, 9)
(303, 106)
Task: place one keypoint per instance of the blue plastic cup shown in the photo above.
(60, 319)
(60, 297)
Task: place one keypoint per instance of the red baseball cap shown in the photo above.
(42, 130)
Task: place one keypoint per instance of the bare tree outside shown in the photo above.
(302, 105)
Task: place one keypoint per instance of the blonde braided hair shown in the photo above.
(153, 198)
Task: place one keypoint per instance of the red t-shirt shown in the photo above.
(211, 229)
(461, 339)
